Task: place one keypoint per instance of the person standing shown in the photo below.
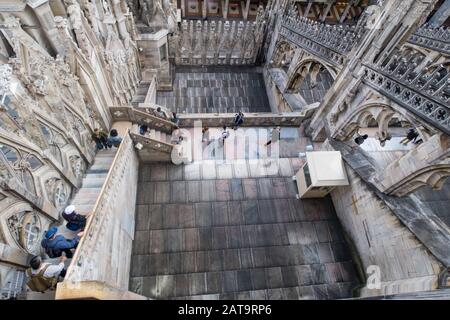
(161, 113)
(114, 139)
(275, 136)
(100, 138)
(225, 134)
(238, 120)
(55, 245)
(45, 276)
(174, 118)
(412, 135)
(205, 134)
(143, 129)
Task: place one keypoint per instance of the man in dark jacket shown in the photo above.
(55, 245)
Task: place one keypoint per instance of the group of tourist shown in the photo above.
(102, 140)
(43, 276)
(238, 121)
(143, 129)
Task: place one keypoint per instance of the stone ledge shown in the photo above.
(94, 290)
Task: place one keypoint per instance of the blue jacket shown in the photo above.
(59, 242)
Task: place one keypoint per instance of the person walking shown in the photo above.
(114, 139)
(143, 129)
(275, 136)
(45, 276)
(238, 120)
(74, 220)
(412, 135)
(100, 138)
(161, 113)
(174, 118)
(225, 134)
(205, 135)
(54, 245)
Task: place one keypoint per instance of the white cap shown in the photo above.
(69, 210)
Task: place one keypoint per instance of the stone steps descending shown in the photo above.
(86, 197)
(141, 93)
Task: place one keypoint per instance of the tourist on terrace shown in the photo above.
(100, 138)
(143, 129)
(55, 245)
(412, 135)
(225, 134)
(238, 120)
(74, 220)
(161, 113)
(205, 135)
(45, 276)
(114, 139)
(174, 118)
(275, 136)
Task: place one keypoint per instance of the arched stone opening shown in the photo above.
(311, 79)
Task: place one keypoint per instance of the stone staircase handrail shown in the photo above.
(92, 230)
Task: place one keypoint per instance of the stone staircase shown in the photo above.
(84, 201)
(140, 94)
(86, 197)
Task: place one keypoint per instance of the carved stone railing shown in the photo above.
(220, 43)
(147, 116)
(151, 143)
(330, 42)
(103, 253)
(291, 119)
(432, 38)
(424, 92)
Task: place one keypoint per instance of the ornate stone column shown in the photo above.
(327, 9)
(225, 5)
(347, 9)
(310, 2)
(246, 9)
(183, 9)
(121, 20)
(204, 8)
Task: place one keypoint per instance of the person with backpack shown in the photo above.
(100, 138)
(74, 220)
(45, 276)
(238, 120)
(55, 245)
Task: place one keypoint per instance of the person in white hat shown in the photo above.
(75, 221)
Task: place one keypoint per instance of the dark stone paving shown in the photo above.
(215, 89)
(235, 239)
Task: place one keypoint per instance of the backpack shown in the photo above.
(53, 253)
(39, 283)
